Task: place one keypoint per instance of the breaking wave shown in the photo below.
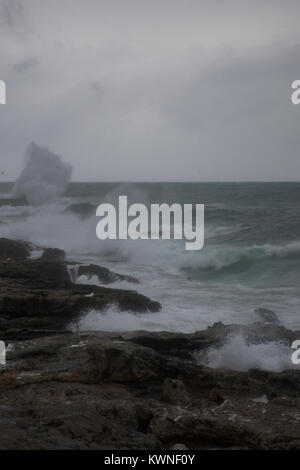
(43, 178)
(264, 264)
(72, 226)
(237, 354)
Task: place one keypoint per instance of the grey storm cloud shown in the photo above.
(161, 90)
(26, 65)
(11, 12)
(13, 17)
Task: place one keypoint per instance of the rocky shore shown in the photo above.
(63, 389)
(38, 297)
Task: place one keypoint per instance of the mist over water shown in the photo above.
(250, 257)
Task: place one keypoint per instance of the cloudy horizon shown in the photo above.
(152, 91)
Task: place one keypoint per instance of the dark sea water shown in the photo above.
(251, 255)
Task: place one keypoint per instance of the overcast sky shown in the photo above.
(129, 90)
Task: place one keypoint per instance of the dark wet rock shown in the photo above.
(120, 361)
(179, 447)
(216, 397)
(174, 392)
(38, 296)
(104, 275)
(53, 255)
(254, 333)
(33, 273)
(266, 315)
(138, 390)
(13, 249)
(45, 307)
(177, 344)
(102, 391)
(186, 345)
(82, 209)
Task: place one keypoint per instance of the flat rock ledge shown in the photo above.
(141, 390)
(37, 296)
(108, 391)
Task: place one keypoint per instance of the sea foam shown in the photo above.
(237, 354)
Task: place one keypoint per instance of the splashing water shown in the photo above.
(43, 178)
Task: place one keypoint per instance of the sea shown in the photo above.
(250, 258)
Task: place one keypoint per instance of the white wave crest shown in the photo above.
(237, 354)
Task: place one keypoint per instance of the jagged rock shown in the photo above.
(120, 361)
(98, 391)
(25, 309)
(178, 344)
(215, 397)
(138, 390)
(266, 315)
(256, 333)
(179, 447)
(186, 345)
(174, 392)
(15, 250)
(53, 255)
(38, 296)
(33, 273)
(104, 275)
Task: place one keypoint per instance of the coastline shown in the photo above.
(66, 389)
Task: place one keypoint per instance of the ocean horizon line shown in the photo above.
(176, 182)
